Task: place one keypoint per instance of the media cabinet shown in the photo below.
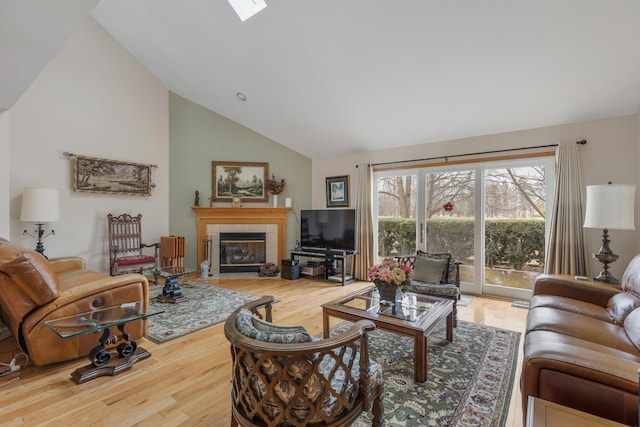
(329, 259)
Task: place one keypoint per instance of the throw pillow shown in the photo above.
(620, 305)
(429, 270)
(258, 329)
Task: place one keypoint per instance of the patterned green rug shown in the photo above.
(469, 381)
(206, 306)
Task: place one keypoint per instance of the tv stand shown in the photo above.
(329, 256)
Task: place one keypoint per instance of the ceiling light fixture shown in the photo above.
(247, 8)
(241, 96)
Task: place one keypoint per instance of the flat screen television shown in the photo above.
(328, 229)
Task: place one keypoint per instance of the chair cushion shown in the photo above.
(430, 270)
(252, 327)
(620, 305)
(135, 260)
(440, 289)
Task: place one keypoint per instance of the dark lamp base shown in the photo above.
(605, 276)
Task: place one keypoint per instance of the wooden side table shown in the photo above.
(548, 414)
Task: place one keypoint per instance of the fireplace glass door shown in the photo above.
(242, 252)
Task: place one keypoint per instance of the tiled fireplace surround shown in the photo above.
(211, 221)
(214, 230)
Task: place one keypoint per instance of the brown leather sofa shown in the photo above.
(34, 290)
(582, 343)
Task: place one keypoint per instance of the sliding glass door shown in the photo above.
(491, 216)
(450, 217)
(515, 211)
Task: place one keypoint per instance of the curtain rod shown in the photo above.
(69, 155)
(446, 158)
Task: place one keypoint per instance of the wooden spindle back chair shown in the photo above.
(126, 248)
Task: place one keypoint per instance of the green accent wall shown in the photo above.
(199, 136)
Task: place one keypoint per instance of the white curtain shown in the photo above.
(364, 221)
(566, 249)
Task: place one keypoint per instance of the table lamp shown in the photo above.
(40, 206)
(610, 207)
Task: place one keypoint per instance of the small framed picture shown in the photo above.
(338, 191)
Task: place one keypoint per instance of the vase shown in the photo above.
(390, 291)
(387, 290)
(275, 200)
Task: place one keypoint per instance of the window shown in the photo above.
(494, 211)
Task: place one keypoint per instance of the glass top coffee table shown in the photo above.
(102, 320)
(171, 291)
(416, 316)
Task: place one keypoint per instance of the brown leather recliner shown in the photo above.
(34, 290)
(582, 345)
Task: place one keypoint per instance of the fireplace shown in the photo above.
(240, 252)
(212, 221)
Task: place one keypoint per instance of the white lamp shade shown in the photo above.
(40, 205)
(611, 207)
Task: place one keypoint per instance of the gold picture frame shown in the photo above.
(338, 191)
(239, 179)
(95, 175)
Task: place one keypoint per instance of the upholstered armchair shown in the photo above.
(436, 274)
(34, 290)
(283, 377)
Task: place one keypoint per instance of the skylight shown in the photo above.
(247, 8)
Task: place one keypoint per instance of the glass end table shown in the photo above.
(102, 320)
(171, 292)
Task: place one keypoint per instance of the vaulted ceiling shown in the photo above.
(335, 76)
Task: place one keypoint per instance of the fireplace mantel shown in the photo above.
(229, 215)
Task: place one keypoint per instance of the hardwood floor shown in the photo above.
(187, 381)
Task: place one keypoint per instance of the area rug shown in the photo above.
(205, 306)
(469, 381)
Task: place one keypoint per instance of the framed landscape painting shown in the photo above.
(94, 175)
(239, 179)
(338, 191)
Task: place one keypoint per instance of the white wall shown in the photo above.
(4, 173)
(611, 154)
(92, 99)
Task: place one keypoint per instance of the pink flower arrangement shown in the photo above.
(273, 186)
(390, 271)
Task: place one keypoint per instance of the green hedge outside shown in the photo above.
(508, 243)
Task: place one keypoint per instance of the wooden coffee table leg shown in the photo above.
(325, 323)
(420, 357)
(450, 327)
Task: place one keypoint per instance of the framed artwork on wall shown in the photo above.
(243, 180)
(94, 175)
(338, 191)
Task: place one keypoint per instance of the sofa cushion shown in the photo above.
(571, 305)
(621, 305)
(582, 327)
(632, 327)
(30, 271)
(630, 281)
(260, 330)
(430, 270)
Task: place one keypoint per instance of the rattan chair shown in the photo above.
(126, 250)
(283, 377)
